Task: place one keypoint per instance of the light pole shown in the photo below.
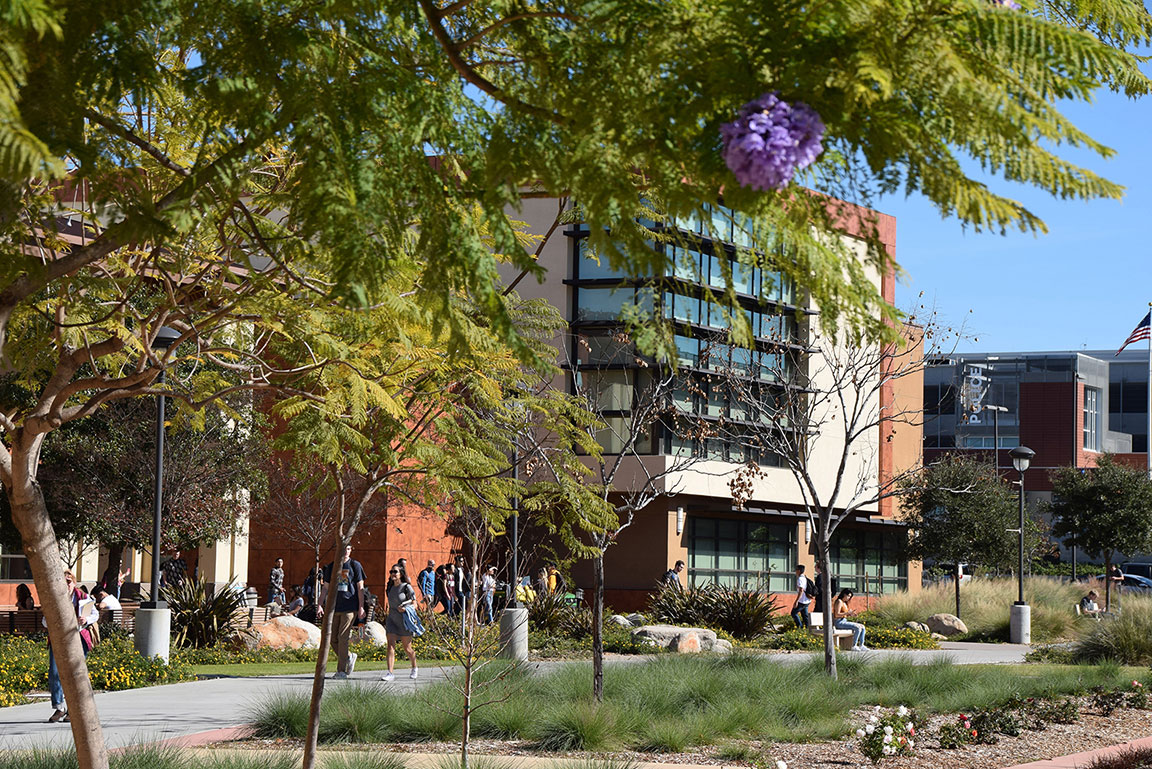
(996, 411)
(154, 618)
(1020, 620)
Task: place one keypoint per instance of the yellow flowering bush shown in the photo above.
(23, 667)
(115, 664)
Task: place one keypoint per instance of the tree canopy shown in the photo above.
(1103, 509)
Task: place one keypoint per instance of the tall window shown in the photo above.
(747, 554)
(1091, 419)
(14, 566)
(869, 561)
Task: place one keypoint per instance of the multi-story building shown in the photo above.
(760, 543)
(1068, 407)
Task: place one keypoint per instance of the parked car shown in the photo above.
(1139, 569)
(1131, 582)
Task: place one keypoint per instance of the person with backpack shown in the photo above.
(398, 627)
(87, 617)
(805, 589)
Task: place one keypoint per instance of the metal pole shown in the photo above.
(1020, 576)
(996, 439)
(513, 600)
(158, 496)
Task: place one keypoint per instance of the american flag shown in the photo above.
(1143, 330)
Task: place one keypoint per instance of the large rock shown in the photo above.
(287, 632)
(619, 619)
(920, 626)
(722, 646)
(946, 625)
(686, 640)
(373, 631)
(637, 620)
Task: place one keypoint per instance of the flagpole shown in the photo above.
(1149, 442)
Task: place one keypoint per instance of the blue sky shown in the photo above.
(1084, 284)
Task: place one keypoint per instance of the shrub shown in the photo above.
(200, 619)
(794, 639)
(888, 734)
(1126, 639)
(744, 614)
(957, 734)
(899, 638)
(23, 667)
(554, 614)
(1107, 701)
(990, 723)
(115, 665)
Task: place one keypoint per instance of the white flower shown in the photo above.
(911, 744)
(781, 765)
(887, 738)
(908, 726)
(877, 708)
(888, 730)
(859, 732)
(873, 719)
(901, 711)
(870, 728)
(888, 750)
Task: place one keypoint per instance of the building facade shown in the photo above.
(759, 544)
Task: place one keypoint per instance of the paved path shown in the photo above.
(179, 710)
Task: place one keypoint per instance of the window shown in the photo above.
(613, 389)
(1091, 419)
(593, 266)
(601, 303)
(869, 561)
(752, 555)
(14, 566)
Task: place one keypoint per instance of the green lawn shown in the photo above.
(673, 702)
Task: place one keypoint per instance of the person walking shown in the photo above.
(426, 582)
(276, 583)
(86, 615)
(488, 589)
(463, 585)
(800, 606)
(446, 589)
(840, 611)
(349, 586)
(401, 597)
(671, 578)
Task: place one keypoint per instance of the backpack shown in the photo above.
(810, 588)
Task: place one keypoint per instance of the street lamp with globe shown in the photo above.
(1020, 619)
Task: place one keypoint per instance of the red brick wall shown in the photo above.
(1050, 424)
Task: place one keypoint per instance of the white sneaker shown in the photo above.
(414, 673)
(387, 677)
(856, 648)
(340, 675)
(864, 648)
(351, 662)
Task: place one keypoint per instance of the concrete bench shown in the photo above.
(842, 638)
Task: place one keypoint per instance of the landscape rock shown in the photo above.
(637, 620)
(287, 632)
(939, 637)
(920, 626)
(620, 619)
(374, 632)
(686, 640)
(722, 646)
(946, 624)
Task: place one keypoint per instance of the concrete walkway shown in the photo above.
(181, 710)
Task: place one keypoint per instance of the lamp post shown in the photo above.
(154, 618)
(514, 618)
(1020, 620)
(996, 411)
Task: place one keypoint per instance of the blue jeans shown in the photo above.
(800, 616)
(54, 687)
(488, 603)
(856, 628)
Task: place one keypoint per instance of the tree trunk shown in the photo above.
(1108, 582)
(466, 721)
(313, 735)
(956, 579)
(30, 514)
(111, 578)
(598, 626)
(826, 601)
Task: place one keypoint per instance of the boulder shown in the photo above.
(920, 626)
(637, 620)
(939, 637)
(722, 646)
(946, 624)
(287, 632)
(373, 631)
(686, 640)
(619, 619)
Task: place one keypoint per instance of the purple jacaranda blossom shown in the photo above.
(771, 140)
(1010, 4)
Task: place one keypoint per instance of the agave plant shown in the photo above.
(745, 614)
(553, 613)
(200, 618)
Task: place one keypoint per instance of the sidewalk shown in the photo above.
(180, 710)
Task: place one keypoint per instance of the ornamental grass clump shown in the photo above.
(770, 141)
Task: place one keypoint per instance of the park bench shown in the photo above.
(22, 621)
(842, 638)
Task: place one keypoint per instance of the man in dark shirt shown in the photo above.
(671, 578)
(348, 583)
